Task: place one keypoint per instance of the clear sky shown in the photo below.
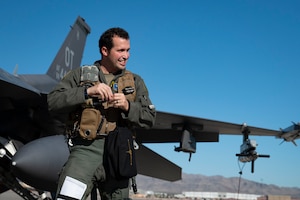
(234, 61)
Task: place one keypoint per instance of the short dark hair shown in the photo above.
(106, 37)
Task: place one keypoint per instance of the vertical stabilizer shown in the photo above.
(70, 54)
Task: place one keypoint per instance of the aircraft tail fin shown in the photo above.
(70, 54)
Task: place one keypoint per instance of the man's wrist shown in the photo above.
(86, 96)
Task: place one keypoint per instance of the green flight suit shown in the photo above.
(85, 163)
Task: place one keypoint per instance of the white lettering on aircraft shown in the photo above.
(69, 55)
(57, 72)
(61, 71)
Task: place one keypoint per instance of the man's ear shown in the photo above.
(104, 51)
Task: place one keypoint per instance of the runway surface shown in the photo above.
(10, 195)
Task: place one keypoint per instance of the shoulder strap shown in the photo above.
(126, 85)
(89, 74)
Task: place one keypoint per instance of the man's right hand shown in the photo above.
(101, 90)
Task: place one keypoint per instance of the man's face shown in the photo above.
(119, 54)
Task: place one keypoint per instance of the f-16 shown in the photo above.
(33, 148)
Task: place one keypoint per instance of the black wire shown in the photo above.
(240, 172)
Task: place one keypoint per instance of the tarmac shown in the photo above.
(10, 195)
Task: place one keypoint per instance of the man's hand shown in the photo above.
(102, 91)
(120, 101)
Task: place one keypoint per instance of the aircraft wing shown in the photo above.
(14, 88)
(145, 165)
(170, 127)
(189, 130)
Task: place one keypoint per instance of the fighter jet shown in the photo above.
(29, 165)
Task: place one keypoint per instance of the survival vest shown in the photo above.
(97, 118)
(102, 118)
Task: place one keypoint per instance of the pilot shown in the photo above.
(101, 105)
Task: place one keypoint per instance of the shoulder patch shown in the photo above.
(89, 73)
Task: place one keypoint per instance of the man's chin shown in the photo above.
(121, 67)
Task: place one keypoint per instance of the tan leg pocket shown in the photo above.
(89, 123)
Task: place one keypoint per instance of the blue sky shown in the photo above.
(234, 61)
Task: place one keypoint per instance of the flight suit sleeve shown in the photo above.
(67, 95)
(142, 112)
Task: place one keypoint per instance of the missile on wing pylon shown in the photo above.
(39, 162)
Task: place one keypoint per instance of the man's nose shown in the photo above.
(126, 55)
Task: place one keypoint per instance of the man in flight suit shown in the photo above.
(85, 164)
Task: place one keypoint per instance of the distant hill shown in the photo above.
(201, 183)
